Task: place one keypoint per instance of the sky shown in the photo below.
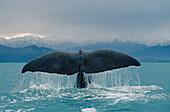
(83, 20)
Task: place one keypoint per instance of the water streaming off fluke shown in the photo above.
(118, 77)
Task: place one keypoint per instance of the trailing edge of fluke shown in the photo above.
(63, 62)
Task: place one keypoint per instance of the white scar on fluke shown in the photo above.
(69, 63)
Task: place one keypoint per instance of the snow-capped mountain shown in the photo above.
(49, 42)
(20, 41)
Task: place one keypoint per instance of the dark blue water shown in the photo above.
(143, 89)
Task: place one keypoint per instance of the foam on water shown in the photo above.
(89, 110)
(104, 96)
(120, 84)
(108, 88)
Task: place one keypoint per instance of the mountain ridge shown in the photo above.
(25, 54)
(25, 51)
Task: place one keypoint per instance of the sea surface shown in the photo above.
(132, 89)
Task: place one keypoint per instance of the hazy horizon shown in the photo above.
(58, 40)
(146, 22)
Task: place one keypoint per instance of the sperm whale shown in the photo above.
(69, 63)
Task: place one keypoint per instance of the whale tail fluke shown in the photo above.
(62, 62)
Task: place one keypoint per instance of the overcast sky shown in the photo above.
(81, 20)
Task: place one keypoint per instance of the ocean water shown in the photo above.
(132, 89)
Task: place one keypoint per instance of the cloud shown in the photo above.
(137, 20)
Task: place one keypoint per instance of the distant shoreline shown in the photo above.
(139, 61)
